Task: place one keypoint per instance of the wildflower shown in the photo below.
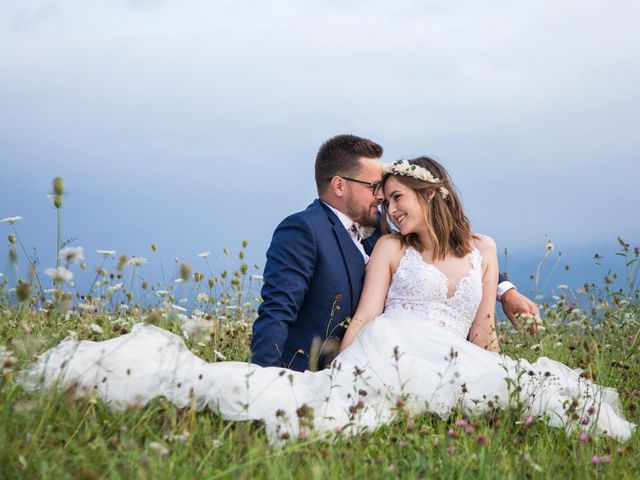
(469, 430)
(216, 443)
(204, 254)
(106, 253)
(162, 293)
(58, 186)
(137, 261)
(605, 459)
(461, 422)
(178, 308)
(7, 358)
(114, 288)
(202, 297)
(528, 421)
(59, 274)
(483, 440)
(185, 271)
(549, 246)
(11, 220)
(584, 437)
(178, 280)
(219, 355)
(595, 460)
(591, 410)
(95, 328)
(87, 307)
(159, 447)
(257, 277)
(72, 255)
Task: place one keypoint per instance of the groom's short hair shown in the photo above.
(339, 156)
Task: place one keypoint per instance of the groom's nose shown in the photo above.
(379, 195)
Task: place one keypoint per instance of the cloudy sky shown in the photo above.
(194, 124)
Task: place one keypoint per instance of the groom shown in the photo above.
(316, 261)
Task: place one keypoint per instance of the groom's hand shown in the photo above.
(520, 310)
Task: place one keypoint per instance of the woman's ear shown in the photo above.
(430, 196)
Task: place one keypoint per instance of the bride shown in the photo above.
(427, 289)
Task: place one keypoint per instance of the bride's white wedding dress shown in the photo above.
(414, 355)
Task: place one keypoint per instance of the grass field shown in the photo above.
(53, 435)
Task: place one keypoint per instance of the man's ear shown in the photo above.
(338, 186)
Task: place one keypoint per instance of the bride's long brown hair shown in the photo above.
(448, 226)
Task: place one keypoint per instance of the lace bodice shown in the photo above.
(421, 288)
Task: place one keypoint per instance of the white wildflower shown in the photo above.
(219, 355)
(202, 297)
(178, 308)
(124, 307)
(6, 357)
(197, 328)
(162, 293)
(257, 277)
(72, 255)
(181, 438)
(183, 300)
(11, 220)
(114, 288)
(549, 246)
(87, 307)
(216, 443)
(159, 448)
(204, 254)
(137, 261)
(178, 280)
(95, 328)
(537, 346)
(106, 253)
(59, 274)
(562, 286)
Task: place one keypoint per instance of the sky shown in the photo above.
(194, 124)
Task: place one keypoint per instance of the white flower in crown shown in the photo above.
(403, 167)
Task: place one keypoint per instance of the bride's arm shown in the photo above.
(483, 328)
(376, 284)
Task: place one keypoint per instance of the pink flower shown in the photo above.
(529, 420)
(461, 422)
(605, 459)
(584, 437)
(595, 460)
(584, 421)
(591, 410)
(483, 440)
(469, 429)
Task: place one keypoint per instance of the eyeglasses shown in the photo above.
(374, 186)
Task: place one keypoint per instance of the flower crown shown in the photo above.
(404, 168)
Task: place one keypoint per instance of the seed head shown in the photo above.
(12, 239)
(58, 186)
(23, 290)
(185, 271)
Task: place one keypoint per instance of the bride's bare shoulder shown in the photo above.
(485, 244)
(389, 246)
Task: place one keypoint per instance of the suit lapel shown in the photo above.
(351, 256)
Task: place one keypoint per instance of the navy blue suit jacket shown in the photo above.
(312, 282)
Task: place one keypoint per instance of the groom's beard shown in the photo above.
(365, 216)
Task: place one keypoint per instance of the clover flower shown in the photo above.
(72, 255)
(59, 274)
(11, 220)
